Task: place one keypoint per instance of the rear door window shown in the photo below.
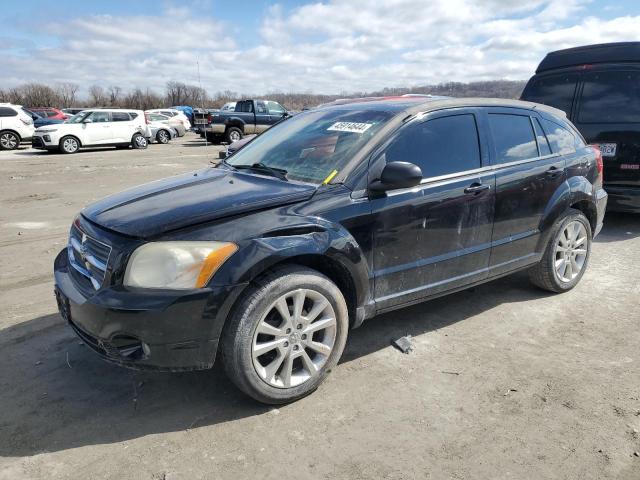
(543, 143)
(555, 90)
(513, 137)
(610, 97)
(439, 146)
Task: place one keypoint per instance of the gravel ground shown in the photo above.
(505, 381)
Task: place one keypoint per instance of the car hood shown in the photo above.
(202, 196)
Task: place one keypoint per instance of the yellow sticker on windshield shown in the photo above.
(330, 177)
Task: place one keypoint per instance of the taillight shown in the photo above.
(599, 162)
(209, 118)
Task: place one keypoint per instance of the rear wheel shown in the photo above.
(69, 145)
(233, 134)
(567, 254)
(286, 334)
(163, 136)
(9, 141)
(139, 142)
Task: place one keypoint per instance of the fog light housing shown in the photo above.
(47, 138)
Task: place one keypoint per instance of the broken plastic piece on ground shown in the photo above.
(404, 344)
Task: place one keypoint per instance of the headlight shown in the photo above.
(176, 265)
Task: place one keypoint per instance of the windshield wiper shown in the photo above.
(280, 173)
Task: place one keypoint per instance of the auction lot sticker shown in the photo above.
(352, 127)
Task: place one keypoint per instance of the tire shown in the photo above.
(9, 140)
(569, 248)
(298, 341)
(233, 134)
(69, 145)
(163, 137)
(139, 142)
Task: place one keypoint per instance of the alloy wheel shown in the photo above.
(70, 145)
(571, 251)
(234, 136)
(141, 141)
(8, 141)
(294, 338)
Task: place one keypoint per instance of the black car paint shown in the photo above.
(384, 251)
(622, 184)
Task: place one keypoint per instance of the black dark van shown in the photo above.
(598, 86)
(326, 219)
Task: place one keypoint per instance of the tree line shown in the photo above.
(63, 95)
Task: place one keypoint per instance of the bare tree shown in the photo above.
(114, 95)
(67, 92)
(97, 96)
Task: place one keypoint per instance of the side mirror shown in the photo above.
(285, 114)
(87, 120)
(396, 175)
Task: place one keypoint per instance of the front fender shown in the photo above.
(314, 239)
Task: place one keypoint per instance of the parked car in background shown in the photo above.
(174, 122)
(50, 112)
(249, 116)
(327, 219)
(598, 86)
(186, 110)
(175, 114)
(160, 130)
(73, 110)
(235, 146)
(95, 128)
(39, 121)
(16, 126)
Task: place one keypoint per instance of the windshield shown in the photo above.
(78, 117)
(312, 146)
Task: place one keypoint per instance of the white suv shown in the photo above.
(95, 128)
(16, 126)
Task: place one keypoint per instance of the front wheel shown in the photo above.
(69, 145)
(139, 141)
(286, 334)
(566, 256)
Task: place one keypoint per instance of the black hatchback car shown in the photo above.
(598, 86)
(327, 219)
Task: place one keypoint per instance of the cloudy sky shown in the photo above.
(322, 47)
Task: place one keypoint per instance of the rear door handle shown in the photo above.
(475, 188)
(554, 171)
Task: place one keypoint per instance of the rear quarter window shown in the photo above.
(554, 90)
(610, 97)
(562, 140)
(7, 112)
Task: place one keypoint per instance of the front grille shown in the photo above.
(89, 259)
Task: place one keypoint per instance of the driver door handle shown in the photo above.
(554, 171)
(475, 188)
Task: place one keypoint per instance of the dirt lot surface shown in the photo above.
(506, 381)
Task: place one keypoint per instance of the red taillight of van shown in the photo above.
(209, 118)
(146, 119)
(599, 162)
